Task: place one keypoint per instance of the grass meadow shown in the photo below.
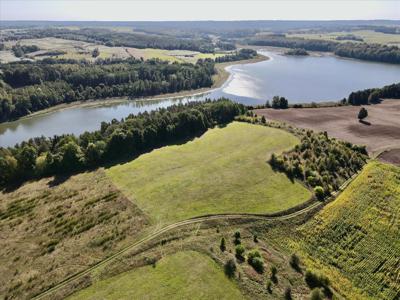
(183, 275)
(223, 171)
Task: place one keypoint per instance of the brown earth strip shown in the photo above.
(391, 156)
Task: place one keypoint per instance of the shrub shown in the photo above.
(316, 294)
(255, 260)
(314, 280)
(288, 294)
(230, 268)
(362, 114)
(237, 238)
(255, 238)
(239, 250)
(269, 286)
(274, 271)
(295, 262)
(222, 245)
(319, 192)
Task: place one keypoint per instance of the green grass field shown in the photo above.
(355, 240)
(224, 171)
(184, 275)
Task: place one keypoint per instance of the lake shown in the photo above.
(300, 79)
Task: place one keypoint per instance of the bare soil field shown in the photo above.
(380, 131)
(392, 156)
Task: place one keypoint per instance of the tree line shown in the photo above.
(27, 87)
(113, 38)
(21, 50)
(372, 96)
(115, 140)
(363, 51)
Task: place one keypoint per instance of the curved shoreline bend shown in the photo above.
(219, 79)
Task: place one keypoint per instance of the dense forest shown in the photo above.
(112, 38)
(115, 140)
(26, 87)
(370, 52)
(371, 96)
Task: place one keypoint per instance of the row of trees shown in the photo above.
(364, 51)
(26, 87)
(115, 140)
(372, 96)
(277, 103)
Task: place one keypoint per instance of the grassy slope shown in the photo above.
(223, 171)
(50, 230)
(356, 239)
(184, 275)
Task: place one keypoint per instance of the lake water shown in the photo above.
(300, 79)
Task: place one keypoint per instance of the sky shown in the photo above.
(152, 10)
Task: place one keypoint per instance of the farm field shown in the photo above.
(55, 227)
(183, 275)
(341, 122)
(354, 240)
(83, 50)
(369, 36)
(223, 171)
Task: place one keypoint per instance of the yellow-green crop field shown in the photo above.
(355, 240)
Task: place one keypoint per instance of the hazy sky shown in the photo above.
(139, 10)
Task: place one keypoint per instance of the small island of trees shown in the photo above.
(297, 52)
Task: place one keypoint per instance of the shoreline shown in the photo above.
(219, 79)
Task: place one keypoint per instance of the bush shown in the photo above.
(319, 192)
(239, 250)
(316, 294)
(255, 260)
(222, 245)
(295, 262)
(288, 294)
(255, 238)
(237, 238)
(363, 113)
(269, 286)
(274, 271)
(315, 280)
(230, 268)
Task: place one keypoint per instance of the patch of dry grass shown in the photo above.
(50, 230)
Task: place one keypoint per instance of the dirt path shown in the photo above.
(159, 232)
